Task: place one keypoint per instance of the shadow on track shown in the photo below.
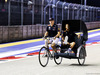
(85, 65)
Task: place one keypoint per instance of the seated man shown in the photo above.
(68, 38)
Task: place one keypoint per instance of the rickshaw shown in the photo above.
(76, 26)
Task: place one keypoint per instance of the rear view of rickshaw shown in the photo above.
(78, 27)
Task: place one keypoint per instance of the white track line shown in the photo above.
(94, 35)
(6, 54)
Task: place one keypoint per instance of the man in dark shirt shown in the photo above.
(70, 35)
(68, 38)
(53, 32)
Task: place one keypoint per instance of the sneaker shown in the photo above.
(71, 53)
(69, 50)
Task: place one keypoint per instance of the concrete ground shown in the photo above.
(31, 66)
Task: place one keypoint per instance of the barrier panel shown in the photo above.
(33, 31)
(25, 32)
(99, 25)
(20, 32)
(37, 31)
(1, 33)
(14, 33)
(29, 31)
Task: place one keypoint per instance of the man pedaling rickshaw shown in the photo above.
(53, 32)
(68, 38)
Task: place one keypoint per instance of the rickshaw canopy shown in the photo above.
(76, 26)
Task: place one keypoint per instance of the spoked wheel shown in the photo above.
(81, 58)
(43, 56)
(58, 59)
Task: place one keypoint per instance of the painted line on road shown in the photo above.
(11, 53)
(19, 43)
(94, 35)
(10, 57)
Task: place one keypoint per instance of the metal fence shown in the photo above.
(19, 13)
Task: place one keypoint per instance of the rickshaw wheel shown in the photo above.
(43, 56)
(58, 59)
(81, 58)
